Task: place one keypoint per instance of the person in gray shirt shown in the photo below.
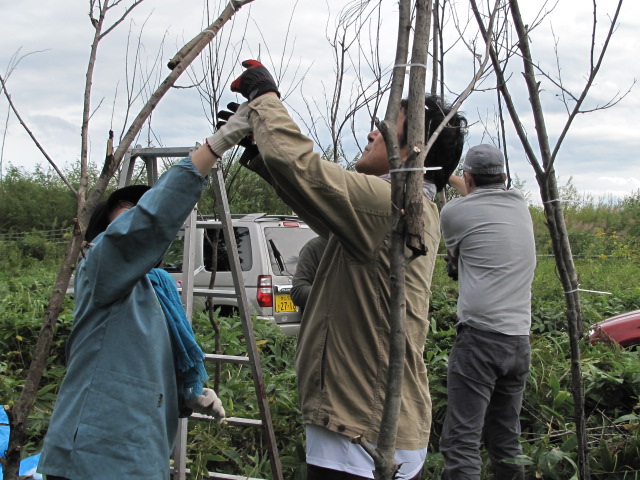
(489, 234)
(308, 261)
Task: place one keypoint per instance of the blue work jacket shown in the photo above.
(116, 414)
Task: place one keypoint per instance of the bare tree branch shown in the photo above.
(131, 79)
(471, 86)
(124, 15)
(502, 85)
(35, 140)
(4, 138)
(595, 68)
(545, 176)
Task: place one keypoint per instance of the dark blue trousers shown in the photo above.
(486, 378)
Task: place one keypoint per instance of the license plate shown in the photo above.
(285, 304)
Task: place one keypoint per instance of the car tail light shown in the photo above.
(265, 291)
(290, 224)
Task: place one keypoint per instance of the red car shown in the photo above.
(623, 329)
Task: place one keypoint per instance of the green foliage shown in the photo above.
(25, 286)
(34, 245)
(606, 229)
(250, 193)
(37, 199)
(247, 193)
(611, 385)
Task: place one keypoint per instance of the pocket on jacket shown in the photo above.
(118, 409)
(323, 358)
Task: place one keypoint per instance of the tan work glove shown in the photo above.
(229, 133)
(207, 404)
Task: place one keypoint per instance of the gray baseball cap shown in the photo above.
(484, 159)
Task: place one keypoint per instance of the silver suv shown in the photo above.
(268, 247)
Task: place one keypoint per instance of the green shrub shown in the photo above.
(37, 199)
(240, 451)
(34, 246)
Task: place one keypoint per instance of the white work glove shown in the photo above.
(207, 404)
(230, 133)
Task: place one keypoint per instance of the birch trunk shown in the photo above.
(546, 179)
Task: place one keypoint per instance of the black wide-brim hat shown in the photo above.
(100, 217)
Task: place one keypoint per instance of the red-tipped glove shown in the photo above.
(255, 81)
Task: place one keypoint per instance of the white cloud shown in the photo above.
(623, 182)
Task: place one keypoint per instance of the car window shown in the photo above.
(172, 261)
(284, 244)
(243, 243)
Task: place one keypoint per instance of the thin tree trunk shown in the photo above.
(406, 201)
(383, 455)
(545, 176)
(19, 414)
(437, 38)
(560, 241)
(436, 55)
(569, 279)
(417, 152)
(404, 219)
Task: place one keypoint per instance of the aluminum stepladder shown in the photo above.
(179, 471)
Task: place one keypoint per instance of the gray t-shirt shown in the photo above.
(308, 261)
(491, 233)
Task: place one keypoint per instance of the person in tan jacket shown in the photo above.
(343, 345)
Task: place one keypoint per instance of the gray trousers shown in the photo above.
(485, 383)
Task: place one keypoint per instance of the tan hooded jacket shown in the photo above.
(343, 346)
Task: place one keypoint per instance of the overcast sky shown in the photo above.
(600, 152)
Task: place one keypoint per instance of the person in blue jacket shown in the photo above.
(131, 352)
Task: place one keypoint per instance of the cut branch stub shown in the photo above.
(204, 37)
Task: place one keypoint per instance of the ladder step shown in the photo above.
(238, 296)
(206, 292)
(237, 421)
(161, 152)
(222, 476)
(213, 357)
(203, 223)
